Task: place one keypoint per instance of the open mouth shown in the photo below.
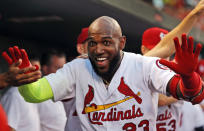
(101, 61)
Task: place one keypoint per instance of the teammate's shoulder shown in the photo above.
(12, 90)
(12, 93)
(139, 57)
(130, 55)
(150, 58)
(78, 61)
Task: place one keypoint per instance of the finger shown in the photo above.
(25, 57)
(7, 58)
(169, 64)
(27, 69)
(29, 80)
(11, 51)
(177, 45)
(175, 59)
(197, 50)
(36, 67)
(184, 45)
(190, 45)
(29, 75)
(17, 52)
(17, 64)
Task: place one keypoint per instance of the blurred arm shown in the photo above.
(166, 48)
(165, 100)
(11, 129)
(3, 82)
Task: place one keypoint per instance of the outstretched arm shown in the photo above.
(187, 84)
(166, 100)
(166, 48)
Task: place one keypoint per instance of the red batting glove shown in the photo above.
(187, 61)
(17, 54)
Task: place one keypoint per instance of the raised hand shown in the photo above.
(16, 55)
(20, 70)
(186, 59)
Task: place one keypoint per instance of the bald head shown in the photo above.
(105, 25)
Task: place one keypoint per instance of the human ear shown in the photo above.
(80, 48)
(144, 49)
(122, 42)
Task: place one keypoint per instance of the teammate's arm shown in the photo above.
(187, 84)
(166, 48)
(15, 76)
(11, 129)
(165, 100)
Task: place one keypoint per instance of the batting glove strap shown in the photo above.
(190, 86)
(197, 99)
(174, 85)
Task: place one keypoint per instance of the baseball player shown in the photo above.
(169, 110)
(13, 77)
(87, 121)
(193, 113)
(117, 90)
(81, 41)
(22, 116)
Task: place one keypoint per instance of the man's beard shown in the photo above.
(114, 64)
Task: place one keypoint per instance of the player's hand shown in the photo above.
(16, 55)
(16, 76)
(186, 60)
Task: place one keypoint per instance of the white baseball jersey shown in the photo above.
(52, 116)
(22, 116)
(168, 117)
(73, 122)
(130, 101)
(191, 117)
(202, 104)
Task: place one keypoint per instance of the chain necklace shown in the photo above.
(106, 82)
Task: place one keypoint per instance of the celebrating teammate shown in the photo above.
(169, 110)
